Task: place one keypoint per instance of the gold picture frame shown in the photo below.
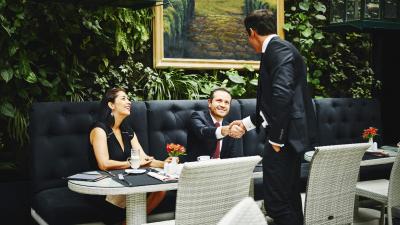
(160, 61)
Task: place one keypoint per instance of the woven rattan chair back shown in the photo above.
(244, 213)
(394, 184)
(207, 190)
(331, 184)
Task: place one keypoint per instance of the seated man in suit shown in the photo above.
(208, 132)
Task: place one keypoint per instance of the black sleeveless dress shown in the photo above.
(115, 150)
(112, 213)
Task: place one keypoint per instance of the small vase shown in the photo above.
(173, 166)
(374, 146)
(371, 140)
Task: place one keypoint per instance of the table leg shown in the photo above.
(136, 209)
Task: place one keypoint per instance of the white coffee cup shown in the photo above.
(203, 158)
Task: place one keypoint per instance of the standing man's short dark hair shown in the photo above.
(284, 108)
(263, 21)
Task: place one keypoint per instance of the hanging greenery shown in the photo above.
(338, 64)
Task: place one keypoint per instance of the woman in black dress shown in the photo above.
(112, 142)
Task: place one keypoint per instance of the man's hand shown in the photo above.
(225, 130)
(236, 129)
(276, 148)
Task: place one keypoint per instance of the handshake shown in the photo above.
(235, 129)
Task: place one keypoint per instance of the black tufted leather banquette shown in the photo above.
(60, 144)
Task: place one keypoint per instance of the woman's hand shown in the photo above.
(169, 159)
(146, 161)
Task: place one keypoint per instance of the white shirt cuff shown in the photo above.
(218, 133)
(248, 124)
(264, 123)
(276, 144)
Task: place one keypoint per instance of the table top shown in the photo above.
(366, 162)
(108, 186)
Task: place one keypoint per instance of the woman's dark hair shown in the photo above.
(262, 20)
(104, 114)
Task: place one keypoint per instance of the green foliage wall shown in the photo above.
(62, 52)
(338, 64)
(59, 52)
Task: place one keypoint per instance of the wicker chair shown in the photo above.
(331, 184)
(386, 192)
(207, 190)
(244, 213)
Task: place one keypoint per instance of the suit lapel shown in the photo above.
(208, 118)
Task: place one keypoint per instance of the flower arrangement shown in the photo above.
(370, 133)
(175, 150)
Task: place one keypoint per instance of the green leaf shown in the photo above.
(304, 6)
(7, 110)
(2, 3)
(31, 78)
(45, 83)
(306, 32)
(7, 75)
(319, 7)
(318, 36)
(254, 82)
(23, 93)
(317, 73)
(320, 17)
(249, 68)
(288, 26)
(236, 79)
(105, 61)
(12, 50)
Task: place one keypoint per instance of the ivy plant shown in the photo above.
(338, 64)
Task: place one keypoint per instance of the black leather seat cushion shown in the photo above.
(342, 120)
(59, 141)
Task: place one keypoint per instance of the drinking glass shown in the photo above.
(135, 159)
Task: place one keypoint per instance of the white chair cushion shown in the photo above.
(374, 189)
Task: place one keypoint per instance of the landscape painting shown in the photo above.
(207, 33)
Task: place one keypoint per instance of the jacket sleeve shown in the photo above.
(283, 88)
(199, 127)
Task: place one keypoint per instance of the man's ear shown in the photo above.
(251, 32)
(209, 103)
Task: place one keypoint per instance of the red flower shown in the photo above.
(175, 150)
(370, 133)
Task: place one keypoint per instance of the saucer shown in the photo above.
(137, 171)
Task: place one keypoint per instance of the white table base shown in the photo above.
(136, 209)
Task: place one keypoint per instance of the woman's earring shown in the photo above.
(112, 114)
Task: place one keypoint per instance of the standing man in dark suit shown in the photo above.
(209, 132)
(284, 109)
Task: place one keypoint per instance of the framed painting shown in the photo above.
(207, 34)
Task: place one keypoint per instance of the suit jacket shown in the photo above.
(201, 139)
(283, 97)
